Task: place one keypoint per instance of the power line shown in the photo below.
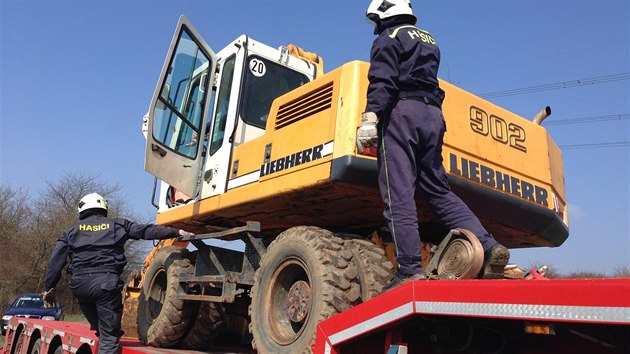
(558, 85)
(595, 145)
(590, 119)
(593, 119)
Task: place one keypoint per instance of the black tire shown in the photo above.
(374, 269)
(37, 347)
(164, 318)
(84, 349)
(18, 339)
(206, 327)
(234, 331)
(305, 277)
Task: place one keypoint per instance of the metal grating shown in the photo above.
(305, 106)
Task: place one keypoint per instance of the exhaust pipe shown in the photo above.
(542, 115)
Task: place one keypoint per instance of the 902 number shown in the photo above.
(507, 133)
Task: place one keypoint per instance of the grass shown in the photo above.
(74, 318)
(68, 318)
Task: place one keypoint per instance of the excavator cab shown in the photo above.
(205, 104)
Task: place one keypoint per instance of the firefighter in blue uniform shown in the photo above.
(95, 246)
(404, 118)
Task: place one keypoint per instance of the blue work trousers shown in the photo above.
(100, 298)
(410, 158)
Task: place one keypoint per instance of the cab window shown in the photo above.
(265, 81)
(223, 102)
(180, 105)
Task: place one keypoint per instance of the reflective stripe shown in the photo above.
(89, 341)
(327, 349)
(59, 333)
(374, 322)
(392, 226)
(545, 312)
(328, 148)
(587, 314)
(395, 33)
(244, 179)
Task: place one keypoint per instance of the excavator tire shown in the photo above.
(374, 269)
(206, 326)
(305, 277)
(234, 331)
(163, 318)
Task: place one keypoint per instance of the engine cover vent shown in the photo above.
(305, 106)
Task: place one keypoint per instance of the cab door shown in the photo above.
(251, 76)
(220, 142)
(178, 111)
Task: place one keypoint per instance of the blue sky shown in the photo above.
(77, 76)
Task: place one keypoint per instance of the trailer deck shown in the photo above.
(521, 309)
(512, 316)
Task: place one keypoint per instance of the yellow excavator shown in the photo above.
(255, 151)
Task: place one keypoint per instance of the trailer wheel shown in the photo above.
(206, 327)
(37, 347)
(18, 340)
(164, 318)
(305, 276)
(374, 269)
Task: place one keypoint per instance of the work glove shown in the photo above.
(49, 297)
(367, 134)
(184, 233)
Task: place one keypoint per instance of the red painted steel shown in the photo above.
(24, 332)
(588, 301)
(509, 299)
(70, 336)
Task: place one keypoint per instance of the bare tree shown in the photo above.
(13, 209)
(14, 217)
(30, 228)
(623, 272)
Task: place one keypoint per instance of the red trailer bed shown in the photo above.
(511, 316)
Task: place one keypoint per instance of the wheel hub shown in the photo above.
(299, 301)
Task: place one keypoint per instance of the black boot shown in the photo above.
(400, 279)
(494, 262)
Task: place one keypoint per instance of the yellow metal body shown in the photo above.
(305, 170)
(311, 131)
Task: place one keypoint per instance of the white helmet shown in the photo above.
(383, 9)
(92, 200)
